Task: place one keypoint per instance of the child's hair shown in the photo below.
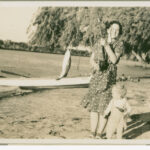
(120, 89)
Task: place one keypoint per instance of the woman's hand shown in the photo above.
(103, 41)
(113, 58)
(109, 51)
(109, 40)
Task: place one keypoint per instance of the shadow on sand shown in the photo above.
(140, 124)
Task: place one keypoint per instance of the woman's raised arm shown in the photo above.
(113, 56)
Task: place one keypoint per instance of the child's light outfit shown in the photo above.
(119, 110)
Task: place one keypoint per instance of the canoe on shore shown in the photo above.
(35, 83)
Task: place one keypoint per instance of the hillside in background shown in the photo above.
(21, 46)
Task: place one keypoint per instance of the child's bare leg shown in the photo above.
(125, 123)
(111, 128)
(94, 121)
(120, 129)
(109, 132)
(101, 125)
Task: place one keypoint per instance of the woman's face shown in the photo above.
(113, 31)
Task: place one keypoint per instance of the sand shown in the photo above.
(57, 114)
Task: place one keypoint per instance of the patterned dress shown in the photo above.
(100, 88)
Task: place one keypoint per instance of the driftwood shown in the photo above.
(139, 58)
(7, 91)
(14, 73)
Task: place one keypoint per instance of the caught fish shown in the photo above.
(66, 64)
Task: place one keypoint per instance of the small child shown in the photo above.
(118, 111)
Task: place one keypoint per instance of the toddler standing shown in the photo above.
(118, 111)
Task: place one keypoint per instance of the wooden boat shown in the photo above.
(35, 83)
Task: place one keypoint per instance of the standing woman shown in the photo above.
(106, 54)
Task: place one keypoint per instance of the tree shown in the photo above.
(49, 26)
(71, 34)
(63, 26)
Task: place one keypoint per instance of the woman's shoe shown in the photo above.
(99, 136)
(92, 135)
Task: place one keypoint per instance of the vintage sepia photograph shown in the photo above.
(75, 71)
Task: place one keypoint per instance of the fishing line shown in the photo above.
(78, 64)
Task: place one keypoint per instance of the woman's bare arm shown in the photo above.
(113, 58)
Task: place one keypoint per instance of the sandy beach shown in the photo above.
(53, 114)
(57, 114)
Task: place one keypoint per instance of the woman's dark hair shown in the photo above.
(108, 25)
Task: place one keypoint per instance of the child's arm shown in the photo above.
(108, 109)
(128, 109)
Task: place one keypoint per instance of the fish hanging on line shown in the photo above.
(66, 64)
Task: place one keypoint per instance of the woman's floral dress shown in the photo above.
(100, 88)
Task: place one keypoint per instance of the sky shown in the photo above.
(16, 16)
(14, 22)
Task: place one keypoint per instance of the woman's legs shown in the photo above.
(101, 125)
(94, 121)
